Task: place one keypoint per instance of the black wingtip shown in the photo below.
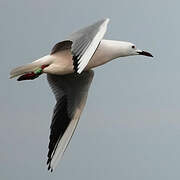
(50, 168)
(48, 161)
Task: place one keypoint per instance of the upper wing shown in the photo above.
(70, 92)
(63, 45)
(84, 43)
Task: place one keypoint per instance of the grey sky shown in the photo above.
(130, 128)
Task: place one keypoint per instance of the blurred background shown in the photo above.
(130, 127)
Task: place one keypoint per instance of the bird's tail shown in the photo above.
(32, 70)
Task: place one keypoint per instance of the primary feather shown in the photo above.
(70, 92)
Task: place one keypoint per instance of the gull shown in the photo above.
(69, 74)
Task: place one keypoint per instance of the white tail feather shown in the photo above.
(46, 60)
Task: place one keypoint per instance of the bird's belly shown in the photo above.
(62, 63)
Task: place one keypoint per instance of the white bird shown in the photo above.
(68, 69)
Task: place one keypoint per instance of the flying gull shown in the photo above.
(68, 68)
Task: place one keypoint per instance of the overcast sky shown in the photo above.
(130, 128)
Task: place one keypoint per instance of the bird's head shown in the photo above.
(132, 50)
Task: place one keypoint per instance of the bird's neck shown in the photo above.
(107, 51)
(114, 49)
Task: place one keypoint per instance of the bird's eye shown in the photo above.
(133, 47)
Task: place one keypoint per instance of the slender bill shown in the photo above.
(145, 53)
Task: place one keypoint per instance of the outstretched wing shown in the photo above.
(84, 43)
(71, 93)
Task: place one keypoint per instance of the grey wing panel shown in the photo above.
(85, 43)
(70, 92)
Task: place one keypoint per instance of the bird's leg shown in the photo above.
(32, 75)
